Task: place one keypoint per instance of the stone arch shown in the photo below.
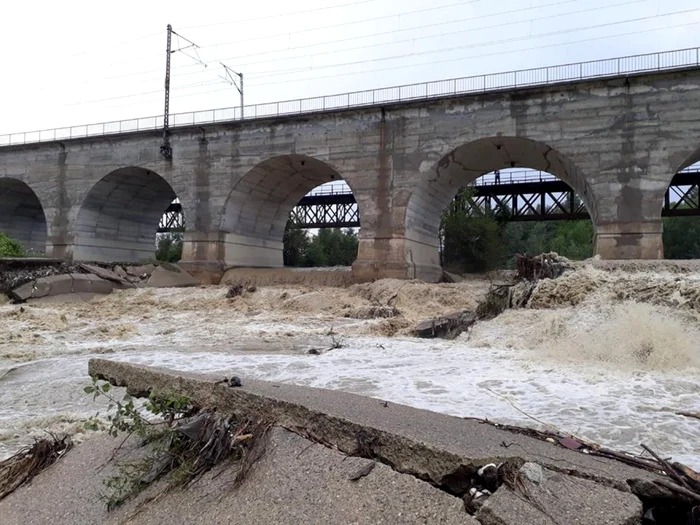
(254, 217)
(118, 218)
(464, 165)
(22, 215)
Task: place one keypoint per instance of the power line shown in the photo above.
(494, 26)
(274, 73)
(440, 35)
(561, 2)
(413, 28)
(118, 44)
(279, 15)
(466, 57)
(352, 22)
(463, 2)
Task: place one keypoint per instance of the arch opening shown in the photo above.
(22, 216)
(496, 195)
(120, 216)
(681, 212)
(323, 228)
(282, 199)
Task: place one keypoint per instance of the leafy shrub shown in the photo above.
(10, 247)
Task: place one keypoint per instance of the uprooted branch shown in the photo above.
(30, 461)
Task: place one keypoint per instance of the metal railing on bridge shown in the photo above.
(594, 69)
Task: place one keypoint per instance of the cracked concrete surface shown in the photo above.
(414, 441)
(334, 457)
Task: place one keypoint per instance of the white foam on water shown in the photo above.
(618, 409)
(611, 372)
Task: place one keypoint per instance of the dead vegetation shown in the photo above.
(530, 270)
(23, 466)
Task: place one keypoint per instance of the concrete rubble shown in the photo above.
(540, 496)
(42, 280)
(447, 326)
(171, 275)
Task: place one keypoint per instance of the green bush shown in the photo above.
(169, 247)
(330, 247)
(10, 247)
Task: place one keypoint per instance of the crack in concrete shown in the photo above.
(447, 471)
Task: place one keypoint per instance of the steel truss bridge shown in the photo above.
(522, 195)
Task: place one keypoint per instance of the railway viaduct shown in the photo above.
(616, 139)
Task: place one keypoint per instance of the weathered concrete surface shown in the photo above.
(543, 497)
(79, 283)
(109, 275)
(296, 481)
(170, 277)
(431, 445)
(301, 482)
(616, 141)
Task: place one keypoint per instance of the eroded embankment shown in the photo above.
(535, 481)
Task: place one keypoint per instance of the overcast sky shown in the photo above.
(77, 61)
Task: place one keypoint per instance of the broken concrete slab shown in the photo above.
(437, 446)
(170, 276)
(59, 285)
(65, 298)
(62, 285)
(447, 326)
(89, 283)
(121, 272)
(140, 271)
(27, 291)
(104, 273)
(540, 496)
(295, 481)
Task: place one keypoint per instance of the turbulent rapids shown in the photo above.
(608, 354)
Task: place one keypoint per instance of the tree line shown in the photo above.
(487, 240)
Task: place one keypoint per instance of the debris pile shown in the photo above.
(448, 326)
(23, 281)
(543, 266)
(530, 271)
(22, 467)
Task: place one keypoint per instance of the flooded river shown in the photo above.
(607, 356)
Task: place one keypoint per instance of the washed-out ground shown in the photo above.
(610, 355)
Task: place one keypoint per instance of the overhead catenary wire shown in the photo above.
(414, 28)
(331, 26)
(482, 55)
(273, 73)
(440, 61)
(452, 33)
(263, 74)
(281, 15)
(354, 38)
